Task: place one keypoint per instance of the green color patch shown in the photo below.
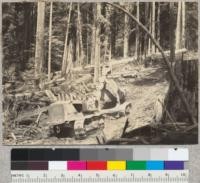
(136, 165)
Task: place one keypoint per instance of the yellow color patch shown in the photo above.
(116, 165)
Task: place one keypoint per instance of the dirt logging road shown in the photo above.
(142, 87)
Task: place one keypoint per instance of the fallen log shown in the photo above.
(55, 80)
(192, 128)
(22, 95)
(125, 74)
(114, 62)
(85, 78)
(27, 115)
(158, 55)
(51, 96)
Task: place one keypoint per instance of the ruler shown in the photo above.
(171, 176)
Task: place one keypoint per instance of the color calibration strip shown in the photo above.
(137, 154)
(97, 165)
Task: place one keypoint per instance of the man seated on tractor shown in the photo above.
(110, 95)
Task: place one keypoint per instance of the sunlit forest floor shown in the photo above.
(142, 89)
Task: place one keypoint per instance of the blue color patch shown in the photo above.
(155, 165)
(174, 165)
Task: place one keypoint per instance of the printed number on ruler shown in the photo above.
(172, 176)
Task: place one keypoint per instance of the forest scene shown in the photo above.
(100, 73)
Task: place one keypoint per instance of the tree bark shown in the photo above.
(113, 33)
(50, 35)
(64, 61)
(166, 61)
(172, 34)
(79, 28)
(153, 23)
(27, 34)
(97, 43)
(93, 41)
(126, 32)
(146, 23)
(77, 47)
(178, 27)
(87, 40)
(137, 32)
(183, 24)
(150, 29)
(107, 45)
(158, 24)
(39, 47)
(69, 60)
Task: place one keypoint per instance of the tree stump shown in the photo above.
(186, 71)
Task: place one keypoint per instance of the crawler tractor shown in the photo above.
(75, 120)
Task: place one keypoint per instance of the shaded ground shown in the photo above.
(142, 91)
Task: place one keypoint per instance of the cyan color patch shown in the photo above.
(155, 165)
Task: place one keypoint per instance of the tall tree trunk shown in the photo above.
(183, 24)
(39, 47)
(64, 61)
(27, 34)
(153, 23)
(77, 47)
(178, 27)
(50, 36)
(87, 40)
(158, 24)
(33, 28)
(69, 60)
(107, 45)
(146, 23)
(172, 34)
(137, 32)
(113, 34)
(150, 29)
(97, 43)
(93, 41)
(126, 32)
(80, 39)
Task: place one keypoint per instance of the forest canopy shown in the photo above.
(118, 35)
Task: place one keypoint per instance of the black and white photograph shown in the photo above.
(100, 73)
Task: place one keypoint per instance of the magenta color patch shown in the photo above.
(76, 165)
